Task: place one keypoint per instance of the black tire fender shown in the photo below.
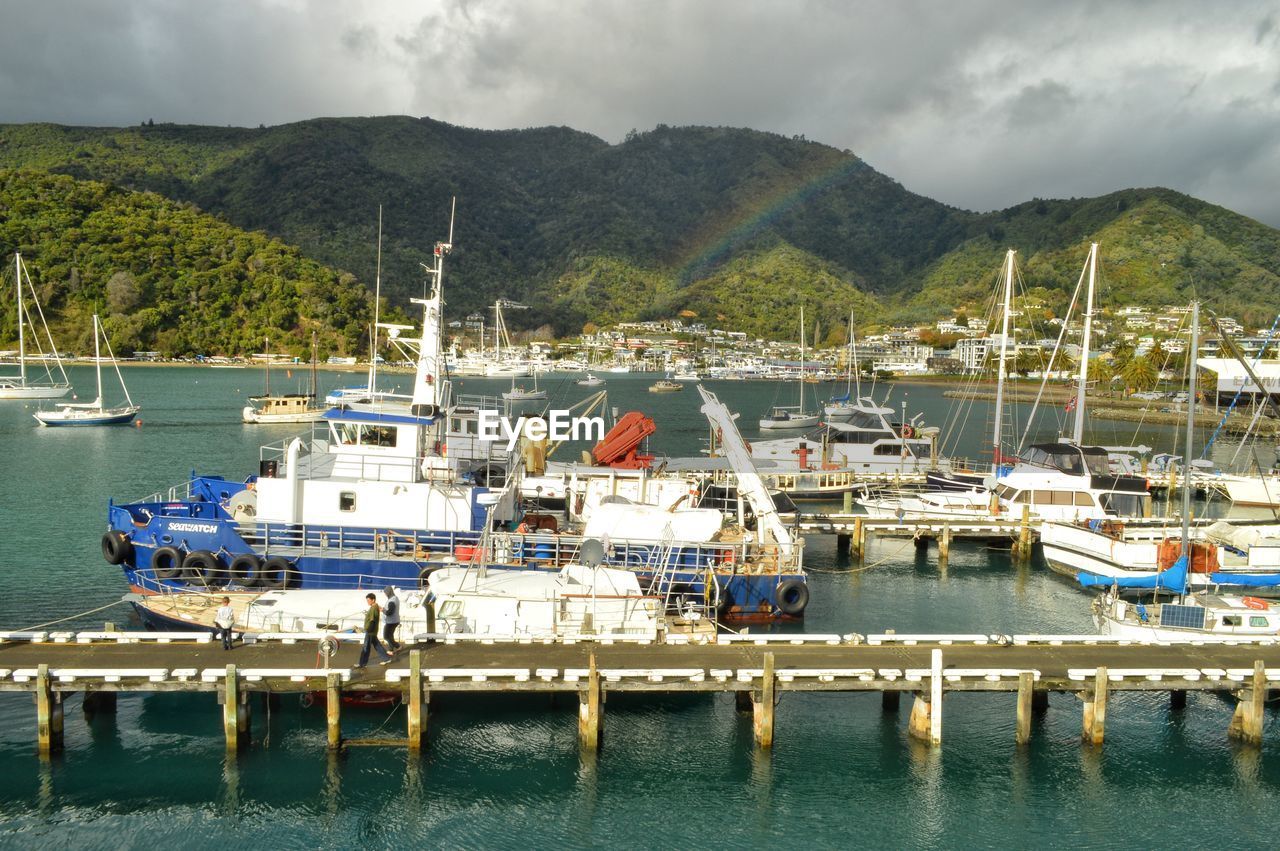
(116, 547)
(791, 596)
(166, 562)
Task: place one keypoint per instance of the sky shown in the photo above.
(976, 103)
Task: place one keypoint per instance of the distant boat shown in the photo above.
(19, 386)
(687, 375)
(284, 408)
(788, 417)
(524, 394)
(590, 381)
(93, 413)
(665, 386)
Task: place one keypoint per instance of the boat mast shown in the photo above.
(1004, 340)
(314, 388)
(377, 299)
(266, 350)
(1078, 433)
(97, 359)
(429, 387)
(1191, 424)
(800, 405)
(22, 340)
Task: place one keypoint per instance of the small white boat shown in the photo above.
(590, 381)
(525, 394)
(687, 375)
(93, 413)
(1190, 616)
(789, 418)
(284, 408)
(21, 385)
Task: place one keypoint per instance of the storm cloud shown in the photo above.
(978, 104)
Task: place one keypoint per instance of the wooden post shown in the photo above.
(944, 544)
(859, 539)
(1095, 710)
(235, 712)
(1022, 549)
(333, 710)
(48, 714)
(417, 712)
(926, 712)
(762, 716)
(590, 730)
(1247, 720)
(848, 502)
(1026, 688)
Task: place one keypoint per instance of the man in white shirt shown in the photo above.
(223, 620)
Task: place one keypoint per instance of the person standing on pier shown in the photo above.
(391, 620)
(371, 616)
(223, 620)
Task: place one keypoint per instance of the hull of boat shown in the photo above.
(53, 420)
(1256, 491)
(790, 424)
(34, 392)
(252, 417)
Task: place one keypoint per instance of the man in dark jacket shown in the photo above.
(371, 617)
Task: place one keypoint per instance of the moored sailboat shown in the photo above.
(93, 413)
(21, 385)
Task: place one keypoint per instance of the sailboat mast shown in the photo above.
(377, 301)
(1004, 341)
(314, 388)
(97, 357)
(1191, 426)
(22, 339)
(266, 348)
(1078, 433)
(800, 408)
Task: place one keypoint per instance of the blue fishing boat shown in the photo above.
(387, 493)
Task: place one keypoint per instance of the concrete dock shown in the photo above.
(757, 668)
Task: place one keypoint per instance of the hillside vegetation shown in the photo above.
(165, 276)
(718, 221)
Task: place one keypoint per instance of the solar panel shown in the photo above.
(1183, 617)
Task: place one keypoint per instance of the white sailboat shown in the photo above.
(20, 385)
(788, 417)
(94, 413)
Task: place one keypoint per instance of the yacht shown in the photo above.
(94, 413)
(21, 385)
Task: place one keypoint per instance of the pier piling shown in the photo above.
(1095, 709)
(98, 703)
(1026, 689)
(890, 701)
(235, 711)
(417, 707)
(843, 542)
(590, 732)
(333, 710)
(48, 714)
(944, 545)
(763, 705)
(1247, 720)
(859, 540)
(1022, 546)
(926, 712)
(1178, 699)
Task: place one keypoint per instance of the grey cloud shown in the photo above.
(980, 104)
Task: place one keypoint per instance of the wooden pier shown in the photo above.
(757, 668)
(853, 531)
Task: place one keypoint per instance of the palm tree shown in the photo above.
(1100, 373)
(1140, 374)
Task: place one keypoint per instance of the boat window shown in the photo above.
(1022, 498)
(379, 436)
(1064, 498)
(888, 449)
(1083, 498)
(1069, 462)
(450, 609)
(1042, 497)
(1099, 463)
(1231, 620)
(862, 419)
(1123, 504)
(348, 433)
(347, 501)
(1005, 492)
(1258, 621)
(1037, 456)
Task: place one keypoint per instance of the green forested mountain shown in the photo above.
(722, 222)
(165, 276)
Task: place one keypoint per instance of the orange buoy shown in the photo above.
(1255, 603)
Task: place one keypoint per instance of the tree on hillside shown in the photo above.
(1100, 374)
(1140, 374)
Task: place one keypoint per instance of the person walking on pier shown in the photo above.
(223, 620)
(391, 620)
(371, 616)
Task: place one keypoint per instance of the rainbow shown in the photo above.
(722, 237)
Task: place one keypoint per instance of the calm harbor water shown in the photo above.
(507, 773)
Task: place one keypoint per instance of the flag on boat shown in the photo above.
(1071, 404)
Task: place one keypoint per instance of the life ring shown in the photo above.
(116, 548)
(276, 572)
(1255, 603)
(908, 432)
(166, 562)
(244, 568)
(791, 596)
(202, 566)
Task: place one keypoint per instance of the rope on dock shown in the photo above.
(72, 617)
